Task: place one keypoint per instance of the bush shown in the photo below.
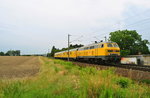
(146, 81)
(124, 82)
(125, 52)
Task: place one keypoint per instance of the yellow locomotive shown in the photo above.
(98, 52)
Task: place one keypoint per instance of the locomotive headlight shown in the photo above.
(116, 51)
(110, 50)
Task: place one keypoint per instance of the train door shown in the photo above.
(96, 50)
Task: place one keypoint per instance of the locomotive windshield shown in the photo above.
(112, 45)
(115, 45)
(109, 45)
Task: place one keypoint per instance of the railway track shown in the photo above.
(131, 67)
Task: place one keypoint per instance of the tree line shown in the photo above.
(129, 41)
(11, 53)
(54, 49)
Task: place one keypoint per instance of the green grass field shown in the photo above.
(61, 79)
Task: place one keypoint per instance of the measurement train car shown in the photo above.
(95, 53)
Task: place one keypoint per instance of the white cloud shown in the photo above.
(56, 12)
(46, 21)
(141, 3)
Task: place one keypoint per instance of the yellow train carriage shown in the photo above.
(64, 54)
(73, 53)
(59, 55)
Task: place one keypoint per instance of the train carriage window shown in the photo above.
(92, 47)
(86, 48)
(99, 46)
(81, 49)
(96, 46)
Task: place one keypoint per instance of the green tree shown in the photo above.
(9, 53)
(75, 46)
(48, 54)
(6, 54)
(53, 51)
(2, 53)
(13, 53)
(17, 52)
(130, 42)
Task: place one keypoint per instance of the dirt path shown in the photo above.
(18, 66)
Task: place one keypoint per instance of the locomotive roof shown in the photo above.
(84, 46)
(96, 44)
(66, 50)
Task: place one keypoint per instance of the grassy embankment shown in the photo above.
(63, 79)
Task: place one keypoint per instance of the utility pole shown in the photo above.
(48, 50)
(105, 38)
(48, 53)
(68, 45)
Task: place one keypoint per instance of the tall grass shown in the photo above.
(61, 79)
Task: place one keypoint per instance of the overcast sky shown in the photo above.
(34, 26)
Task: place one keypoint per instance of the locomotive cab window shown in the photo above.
(101, 46)
(115, 45)
(109, 45)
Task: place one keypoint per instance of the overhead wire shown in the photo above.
(76, 39)
(138, 22)
(116, 25)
